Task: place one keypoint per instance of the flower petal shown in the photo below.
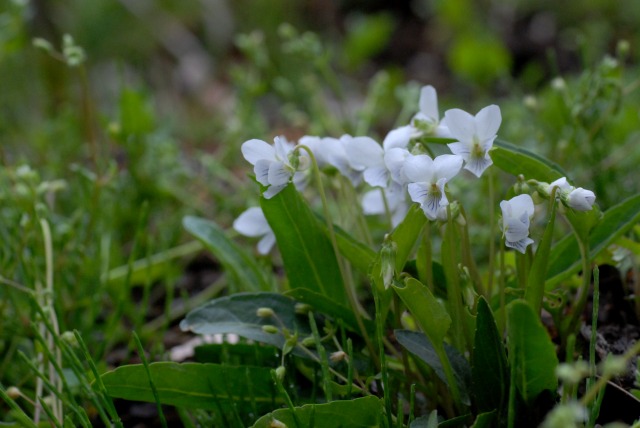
(419, 168)
(377, 176)
(520, 245)
(372, 202)
(398, 137)
(278, 173)
(254, 150)
(447, 166)
(394, 159)
(561, 183)
(282, 148)
(461, 124)
(522, 204)
(261, 169)
(477, 165)
(266, 243)
(429, 103)
(273, 190)
(252, 223)
(581, 199)
(364, 151)
(460, 149)
(488, 121)
(419, 192)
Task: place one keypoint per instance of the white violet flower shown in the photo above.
(366, 155)
(253, 223)
(475, 135)
(577, 198)
(275, 165)
(430, 114)
(427, 179)
(516, 217)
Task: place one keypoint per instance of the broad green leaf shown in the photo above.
(516, 160)
(307, 253)
(489, 371)
(532, 356)
(242, 268)
(359, 255)
(237, 314)
(485, 420)
(192, 385)
(420, 345)
(430, 421)
(360, 412)
(538, 272)
(564, 259)
(407, 233)
(329, 307)
(431, 316)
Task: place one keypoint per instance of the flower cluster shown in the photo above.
(400, 169)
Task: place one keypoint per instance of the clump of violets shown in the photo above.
(399, 172)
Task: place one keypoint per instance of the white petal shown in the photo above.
(460, 149)
(447, 166)
(398, 137)
(477, 165)
(273, 190)
(252, 223)
(278, 173)
(372, 202)
(561, 183)
(520, 245)
(442, 131)
(282, 148)
(399, 214)
(429, 103)
(521, 204)
(364, 151)
(461, 124)
(419, 168)
(488, 122)
(377, 176)
(419, 192)
(266, 243)
(301, 180)
(516, 229)
(394, 160)
(261, 169)
(581, 199)
(254, 150)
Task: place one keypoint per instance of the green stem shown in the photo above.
(347, 280)
(468, 259)
(578, 309)
(492, 234)
(454, 294)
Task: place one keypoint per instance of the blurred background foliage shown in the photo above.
(115, 148)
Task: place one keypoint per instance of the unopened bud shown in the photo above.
(280, 372)
(338, 356)
(69, 338)
(271, 329)
(13, 392)
(308, 342)
(264, 312)
(302, 308)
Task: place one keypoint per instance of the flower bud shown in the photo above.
(13, 392)
(280, 372)
(277, 424)
(70, 339)
(264, 312)
(302, 308)
(581, 199)
(308, 342)
(338, 356)
(271, 329)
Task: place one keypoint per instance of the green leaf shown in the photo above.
(516, 160)
(532, 356)
(485, 420)
(420, 345)
(430, 421)
(489, 370)
(360, 412)
(237, 314)
(359, 255)
(538, 272)
(407, 233)
(329, 307)
(431, 316)
(564, 259)
(192, 385)
(307, 253)
(241, 267)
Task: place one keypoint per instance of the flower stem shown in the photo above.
(347, 279)
(492, 234)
